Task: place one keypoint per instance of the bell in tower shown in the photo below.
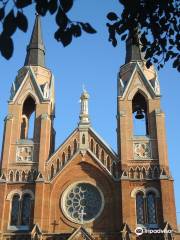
(139, 113)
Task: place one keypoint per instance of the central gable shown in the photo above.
(95, 147)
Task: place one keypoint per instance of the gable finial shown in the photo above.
(35, 50)
(84, 112)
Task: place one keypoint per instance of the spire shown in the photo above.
(84, 114)
(36, 50)
(133, 51)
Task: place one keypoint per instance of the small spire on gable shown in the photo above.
(35, 50)
(84, 112)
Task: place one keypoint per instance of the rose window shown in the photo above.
(82, 202)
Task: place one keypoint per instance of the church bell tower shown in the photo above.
(29, 123)
(146, 182)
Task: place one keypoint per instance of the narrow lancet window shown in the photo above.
(75, 145)
(83, 139)
(140, 208)
(15, 210)
(151, 208)
(140, 118)
(28, 119)
(26, 210)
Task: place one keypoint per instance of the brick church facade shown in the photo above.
(84, 189)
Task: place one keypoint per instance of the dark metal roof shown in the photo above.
(133, 52)
(35, 50)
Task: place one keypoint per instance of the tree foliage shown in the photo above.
(158, 27)
(157, 23)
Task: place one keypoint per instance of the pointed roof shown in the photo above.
(80, 233)
(133, 51)
(35, 50)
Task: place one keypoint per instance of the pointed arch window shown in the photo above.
(23, 176)
(140, 117)
(137, 173)
(140, 208)
(146, 208)
(52, 171)
(131, 173)
(20, 210)
(17, 176)
(151, 208)
(28, 118)
(75, 145)
(11, 176)
(69, 152)
(63, 159)
(143, 173)
(57, 165)
(83, 139)
(92, 145)
(15, 207)
(26, 210)
(102, 156)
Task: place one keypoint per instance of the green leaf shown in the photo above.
(2, 13)
(6, 46)
(65, 37)
(9, 24)
(22, 3)
(52, 6)
(87, 28)
(114, 42)
(61, 19)
(41, 7)
(76, 30)
(66, 5)
(176, 63)
(112, 16)
(21, 21)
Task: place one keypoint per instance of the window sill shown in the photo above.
(25, 141)
(148, 226)
(18, 228)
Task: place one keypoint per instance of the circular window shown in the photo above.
(82, 202)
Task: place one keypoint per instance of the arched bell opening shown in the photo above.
(28, 118)
(140, 116)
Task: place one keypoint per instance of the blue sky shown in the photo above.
(92, 61)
